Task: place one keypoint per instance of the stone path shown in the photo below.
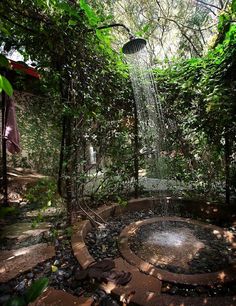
(53, 297)
(19, 232)
(142, 289)
(14, 262)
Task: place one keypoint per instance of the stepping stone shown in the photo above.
(22, 231)
(48, 212)
(14, 262)
(142, 289)
(53, 297)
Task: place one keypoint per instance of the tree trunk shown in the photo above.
(136, 153)
(4, 154)
(227, 150)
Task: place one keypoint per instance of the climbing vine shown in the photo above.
(85, 80)
(199, 97)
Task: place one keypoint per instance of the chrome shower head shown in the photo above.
(134, 45)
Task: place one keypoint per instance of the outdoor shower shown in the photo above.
(135, 44)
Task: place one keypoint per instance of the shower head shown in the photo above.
(134, 45)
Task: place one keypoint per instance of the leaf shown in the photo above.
(36, 289)
(54, 268)
(234, 6)
(16, 301)
(92, 17)
(5, 85)
(6, 210)
(72, 22)
(4, 61)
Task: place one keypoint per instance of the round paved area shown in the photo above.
(183, 254)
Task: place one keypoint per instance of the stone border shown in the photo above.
(81, 228)
(79, 247)
(222, 276)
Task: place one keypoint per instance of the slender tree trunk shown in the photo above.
(136, 153)
(61, 159)
(227, 167)
(4, 154)
(68, 167)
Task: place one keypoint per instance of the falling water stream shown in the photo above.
(151, 123)
(150, 114)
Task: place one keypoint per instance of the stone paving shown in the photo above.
(14, 262)
(20, 232)
(53, 297)
(142, 289)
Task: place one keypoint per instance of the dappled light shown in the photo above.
(18, 253)
(222, 276)
(118, 152)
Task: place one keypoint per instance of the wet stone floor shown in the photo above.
(102, 243)
(182, 247)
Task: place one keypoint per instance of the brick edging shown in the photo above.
(222, 276)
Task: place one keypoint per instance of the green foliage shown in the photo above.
(5, 85)
(122, 202)
(36, 289)
(31, 294)
(43, 193)
(199, 100)
(16, 301)
(39, 125)
(92, 17)
(69, 232)
(233, 6)
(5, 211)
(3, 61)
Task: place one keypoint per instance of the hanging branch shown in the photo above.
(209, 4)
(19, 25)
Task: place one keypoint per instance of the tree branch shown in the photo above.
(208, 4)
(19, 25)
(185, 26)
(191, 43)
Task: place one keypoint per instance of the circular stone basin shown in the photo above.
(180, 250)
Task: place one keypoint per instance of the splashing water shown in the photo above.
(150, 114)
(170, 238)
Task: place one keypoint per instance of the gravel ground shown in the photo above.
(102, 243)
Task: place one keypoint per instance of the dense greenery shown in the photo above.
(85, 98)
(83, 78)
(199, 97)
